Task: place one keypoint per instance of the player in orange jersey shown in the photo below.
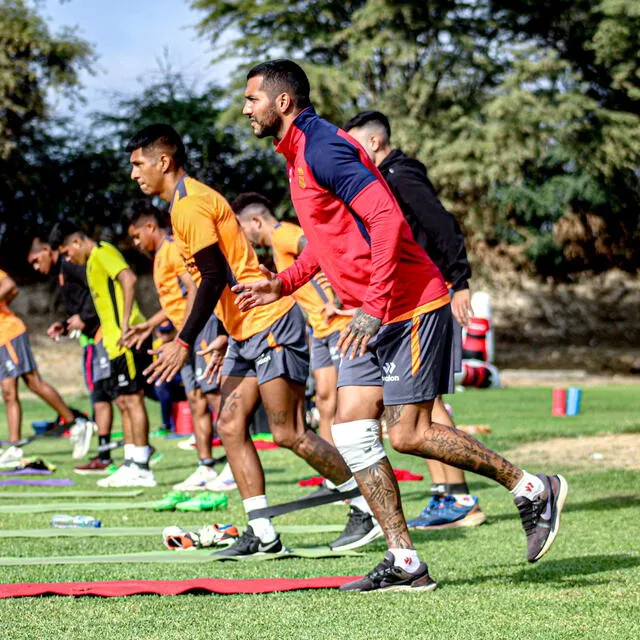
(17, 361)
(176, 292)
(267, 356)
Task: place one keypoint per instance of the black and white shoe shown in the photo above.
(541, 516)
(387, 577)
(248, 544)
(361, 529)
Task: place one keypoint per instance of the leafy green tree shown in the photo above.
(525, 111)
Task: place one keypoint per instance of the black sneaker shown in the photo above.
(361, 529)
(248, 544)
(541, 516)
(387, 577)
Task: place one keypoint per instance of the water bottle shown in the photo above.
(63, 521)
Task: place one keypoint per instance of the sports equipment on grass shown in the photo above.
(171, 500)
(117, 588)
(49, 482)
(164, 557)
(146, 531)
(205, 501)
(212, 535)
(73, 506)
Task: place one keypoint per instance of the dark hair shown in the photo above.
(160, 135)
(37, 245)
(365, 117)
(284, 76)
(245, 200)
(145, 209)
(61, 233)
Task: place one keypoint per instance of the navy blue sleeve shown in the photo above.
(336, 165)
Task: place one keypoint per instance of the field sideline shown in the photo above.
(587, 587)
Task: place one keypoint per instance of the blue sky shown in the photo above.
(129, 36)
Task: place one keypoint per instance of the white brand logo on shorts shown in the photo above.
(263, 359)
(389, 368)
(122, 380)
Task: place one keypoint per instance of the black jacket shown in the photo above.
(434, 228)
(72, 280)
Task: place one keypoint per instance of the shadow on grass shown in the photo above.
(562, 573)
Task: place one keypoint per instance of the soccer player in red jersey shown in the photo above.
(401, 330)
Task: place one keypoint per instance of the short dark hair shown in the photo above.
(245, 200)
(61, 233)
(160, 135)
(365, 117)
(284, 76)
(145, 209)
(37, 245)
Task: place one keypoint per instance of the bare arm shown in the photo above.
(128, 281)
(8, 290)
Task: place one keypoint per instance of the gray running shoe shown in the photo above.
(387, 577)
(361, 529)
(248, 544)
(541, 516)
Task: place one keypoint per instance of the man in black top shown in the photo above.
(45, 258)
(439, 233)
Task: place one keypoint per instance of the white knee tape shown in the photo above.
(359, 443)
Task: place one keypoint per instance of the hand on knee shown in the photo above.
(359, 443)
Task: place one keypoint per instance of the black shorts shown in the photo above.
(126, 371)
(102, 391)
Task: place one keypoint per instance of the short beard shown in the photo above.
(271, 126)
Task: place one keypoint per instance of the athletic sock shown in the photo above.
(406, 559)
(104, 454)
(329, 484)
(529, 486)
(128, 451)
(438, 489)
(460, 489)
(141, 456)
(206, 462)
(346, 486)
(262, 527)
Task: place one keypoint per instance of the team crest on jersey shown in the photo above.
(301, 182)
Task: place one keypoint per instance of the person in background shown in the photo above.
(437, 231)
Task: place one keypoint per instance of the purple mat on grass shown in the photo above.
(26, 472)
(49, 482)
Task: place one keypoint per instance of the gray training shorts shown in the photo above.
(413, 360)
(280, 351)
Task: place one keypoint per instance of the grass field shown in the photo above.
(587, 587)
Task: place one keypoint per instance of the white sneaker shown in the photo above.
(187, 445)
(11, 457)
(81, 433)
(129, 475)
(198, 479)
(224, 481)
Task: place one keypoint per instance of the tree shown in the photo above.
(524, 111)
(33, 63)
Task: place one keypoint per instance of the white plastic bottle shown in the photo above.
(63, 521)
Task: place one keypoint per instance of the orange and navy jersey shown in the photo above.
(10, 325)
(201, 217)
(312, 297)
(168, 268)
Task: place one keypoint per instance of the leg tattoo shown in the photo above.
(458, 449)
(322, 456)
(379, 486)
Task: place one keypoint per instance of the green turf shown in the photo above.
(587, 587)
